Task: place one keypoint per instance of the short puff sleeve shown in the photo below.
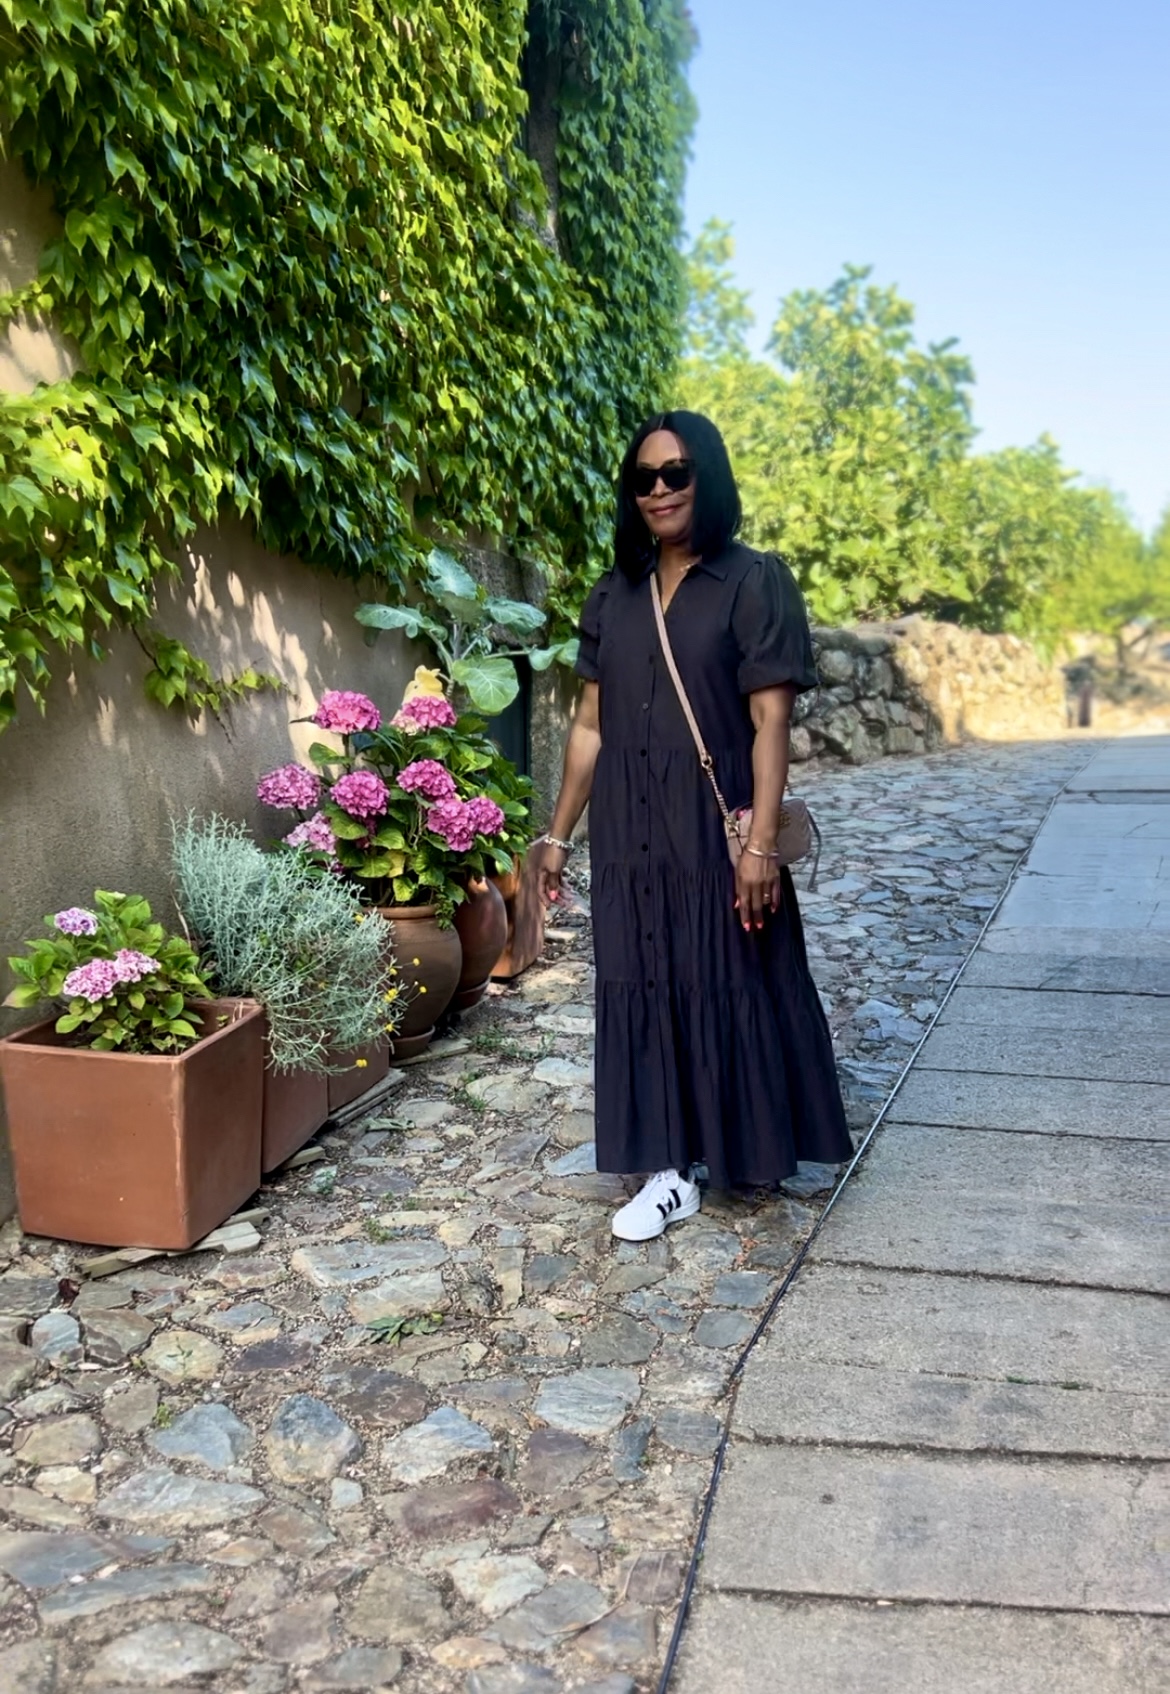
(589, 631)
(770, 624)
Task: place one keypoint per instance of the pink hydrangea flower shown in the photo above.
(75, 920)
(424, 711)
(130, 966)
(428, 778)
(346, 712)
(92, 982)
(292, 786)
(450, 820)
(486, 816)
(362, 794)
(314, 833)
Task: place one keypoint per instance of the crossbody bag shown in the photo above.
(799, 833)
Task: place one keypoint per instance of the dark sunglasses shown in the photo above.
(676, 475)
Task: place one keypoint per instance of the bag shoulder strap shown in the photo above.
(705, 758)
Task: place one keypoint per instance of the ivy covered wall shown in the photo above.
(329, 269)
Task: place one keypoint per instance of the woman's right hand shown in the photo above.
(550, 864)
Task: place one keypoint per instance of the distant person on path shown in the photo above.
(1080, 680)
(712, 1048)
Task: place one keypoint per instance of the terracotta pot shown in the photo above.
(136, 1150)
(482, 925)
(429, 960)
(344, 1087)
(525, 937)
(296, 1104)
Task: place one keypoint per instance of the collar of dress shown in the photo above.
(713, 567)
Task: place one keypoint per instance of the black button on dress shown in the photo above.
(712, 1046)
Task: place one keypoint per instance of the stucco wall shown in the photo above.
(31, 350)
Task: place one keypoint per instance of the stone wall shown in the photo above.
(913, 686)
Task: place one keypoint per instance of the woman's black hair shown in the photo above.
(718, 513)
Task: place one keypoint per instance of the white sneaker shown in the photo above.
(665, 1198)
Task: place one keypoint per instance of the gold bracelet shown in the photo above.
(759, 853)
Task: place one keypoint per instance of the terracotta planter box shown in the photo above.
(349, 1085)
(126, 1150)
(296, 1104)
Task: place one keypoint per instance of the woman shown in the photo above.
(712, 1047)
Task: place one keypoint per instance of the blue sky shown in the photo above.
(1005, 163)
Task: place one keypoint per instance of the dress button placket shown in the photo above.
(653, 939)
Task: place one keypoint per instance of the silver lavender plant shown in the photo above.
(272, 927)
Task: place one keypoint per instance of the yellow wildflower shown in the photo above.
(361, 1063)
(424, 681)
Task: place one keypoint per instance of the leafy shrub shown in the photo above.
(410, 810)
(276, 928)
(125, 982)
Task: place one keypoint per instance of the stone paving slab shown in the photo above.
(874, 1408)
(1104, 975)
(962, 1327)
(870, 1358)
(1107, 857)
(1065, 934)
(1134, 904)
(1039, 1105)
(739, 1645)
(1140, 765)
(1048, 1208)
(1145, 1016)
(1113, 817)
(1132, 845)
(1112, 1054)
(1042, 1533)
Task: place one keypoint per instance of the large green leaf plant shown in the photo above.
(463, 622)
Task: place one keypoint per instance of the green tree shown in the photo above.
(1123, 588)
(1017, 534)
(853, 445)
(718, 316)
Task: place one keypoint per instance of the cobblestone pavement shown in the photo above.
(215, 1477)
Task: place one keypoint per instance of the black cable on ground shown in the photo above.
(797, 1264)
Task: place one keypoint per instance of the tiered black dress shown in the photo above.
(712, 1047)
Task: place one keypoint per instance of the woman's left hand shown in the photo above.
(757, 889)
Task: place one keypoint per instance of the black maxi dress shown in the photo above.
(712, 1046)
